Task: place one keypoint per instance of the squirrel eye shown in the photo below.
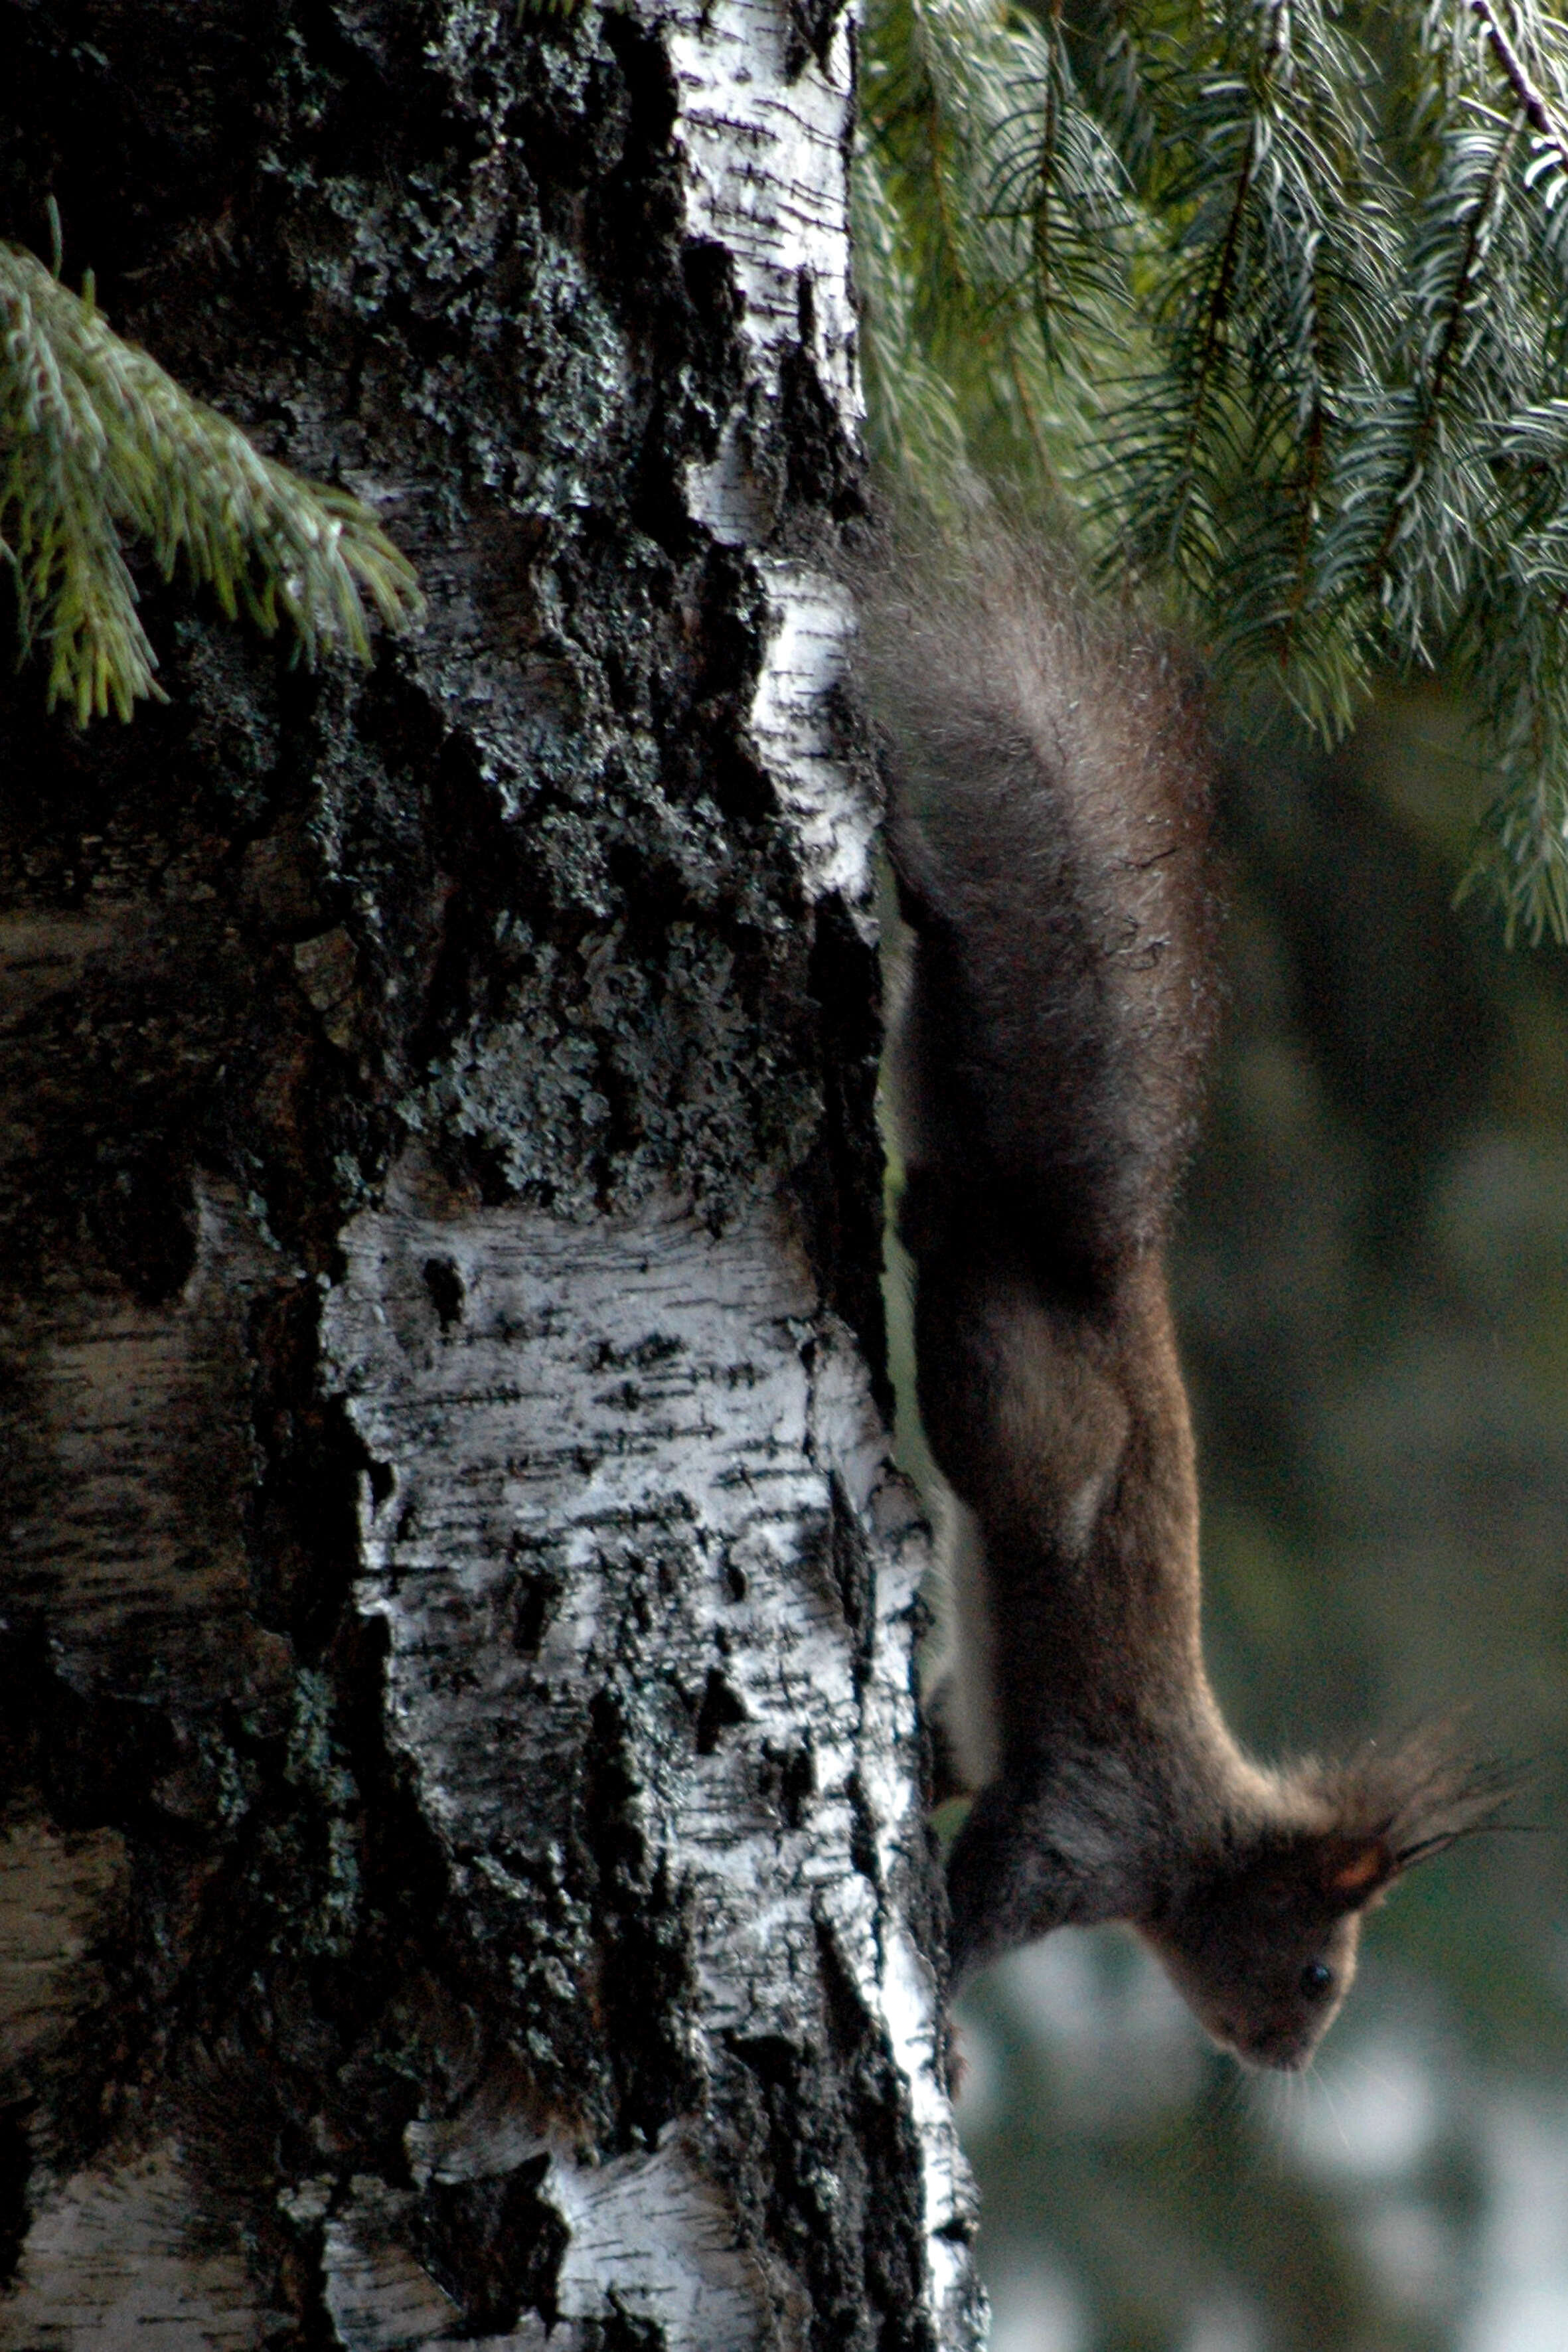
(1317, 1978)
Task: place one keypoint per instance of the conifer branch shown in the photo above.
(95, 440)
(1532, 102)
(1456, 311)
(1286, 321)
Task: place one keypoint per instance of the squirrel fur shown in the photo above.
(1049, 776)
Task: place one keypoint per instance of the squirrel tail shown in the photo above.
(1049, 793)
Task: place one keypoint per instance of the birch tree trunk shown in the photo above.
(464, 1873)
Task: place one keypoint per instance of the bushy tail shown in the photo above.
(1049, 789)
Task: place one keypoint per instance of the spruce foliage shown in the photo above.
(1270, 297)
(96, 441)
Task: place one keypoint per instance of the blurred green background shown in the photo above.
(1371, 1278)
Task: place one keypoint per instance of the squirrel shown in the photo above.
(1049, 779)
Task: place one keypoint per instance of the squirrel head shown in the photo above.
(1263, 1947)
(1260, 1937)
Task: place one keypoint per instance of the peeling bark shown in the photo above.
(463, 1871)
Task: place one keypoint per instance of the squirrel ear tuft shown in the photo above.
(1394, 1807)
(1355, 1871)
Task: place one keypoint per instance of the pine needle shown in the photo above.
(1273, 299)
(97, 441)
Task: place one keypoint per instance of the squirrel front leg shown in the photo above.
(1048, 1847)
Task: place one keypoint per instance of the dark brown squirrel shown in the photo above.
(1050, 775)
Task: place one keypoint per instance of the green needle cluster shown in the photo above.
(98, 442)
(1270, 298)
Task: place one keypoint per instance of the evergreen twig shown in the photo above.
(1277, 298)
(95, 440)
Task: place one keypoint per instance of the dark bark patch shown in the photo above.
(723, 1708)
(495, 2245)
(95, 1758)
(881, 2137)
(624, 2331)
(142, 1214)
(852, 1570)
(444, 1285)
(786, 1779)
(644, 1961)
(839, 1180)
(536, 1593)
(812, 24)
(301, 1517)
(825, 474)
(15, 2172)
